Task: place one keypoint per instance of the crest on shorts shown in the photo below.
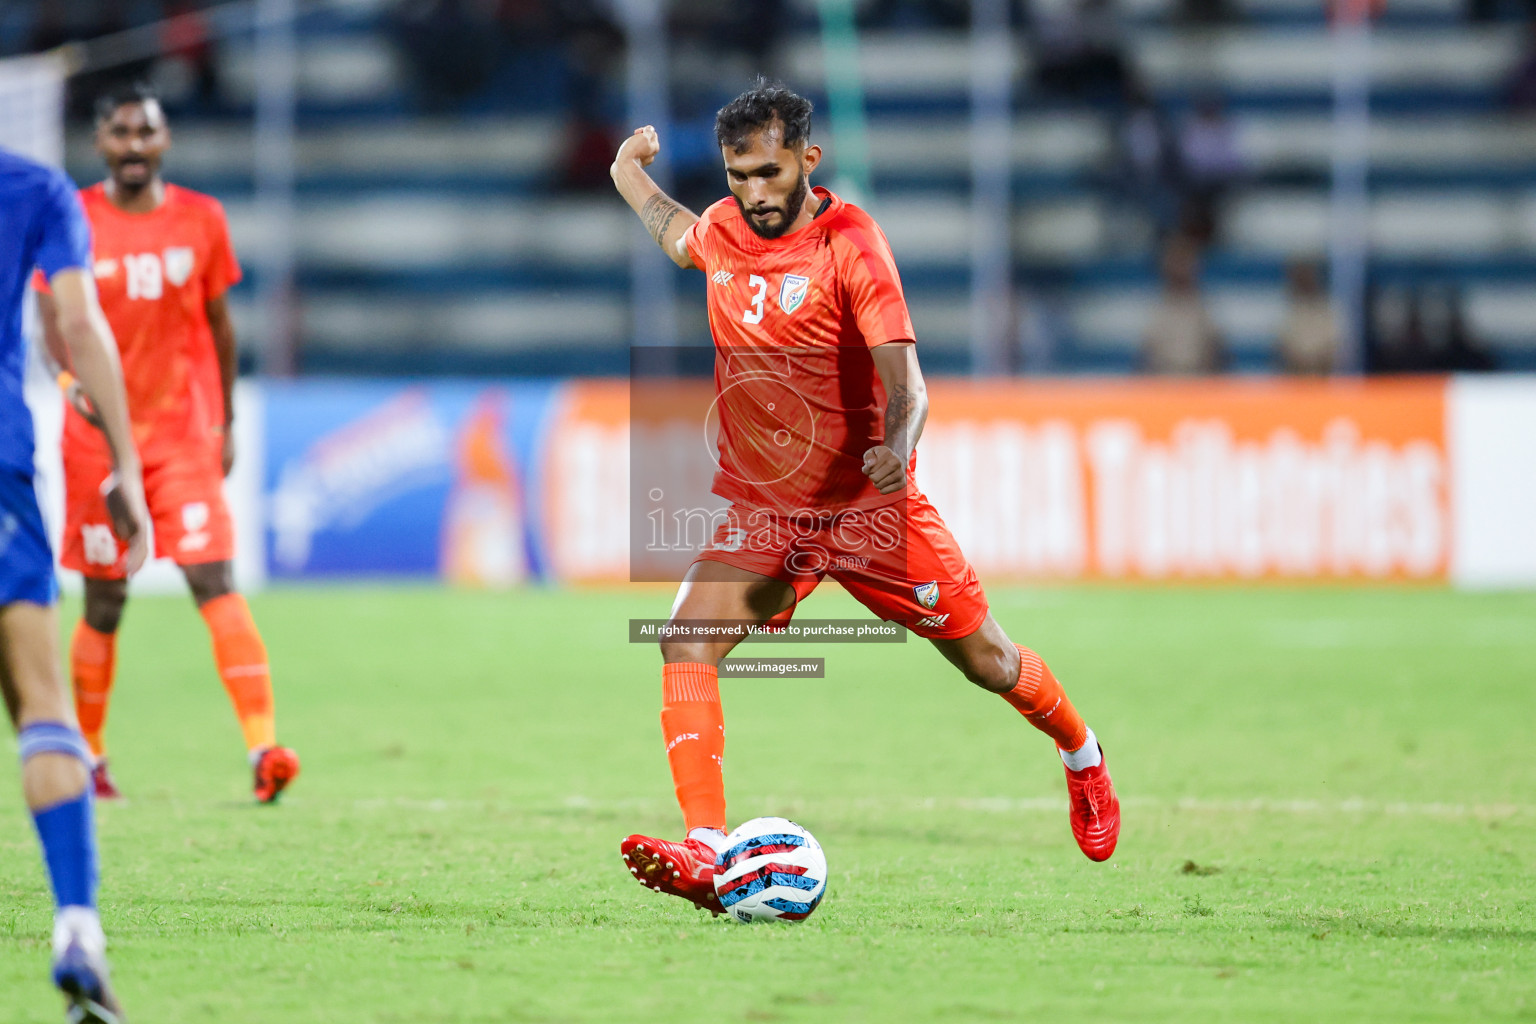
(178, 264)
(927, 593)
(792, 292)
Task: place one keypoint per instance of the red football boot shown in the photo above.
(1095, 810)
(101, 782)
(685, 869)
(275, 768)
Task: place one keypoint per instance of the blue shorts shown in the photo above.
(26, 561)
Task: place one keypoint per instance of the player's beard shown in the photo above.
(792, 207)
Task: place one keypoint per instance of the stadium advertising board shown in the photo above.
(1396, 480)
(373, 478)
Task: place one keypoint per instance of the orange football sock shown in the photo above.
(1040, 698)
(242, 661)
(693, 724)
(92, 665)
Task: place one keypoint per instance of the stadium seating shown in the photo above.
(441, 242)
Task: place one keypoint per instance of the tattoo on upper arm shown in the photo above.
(657, 214)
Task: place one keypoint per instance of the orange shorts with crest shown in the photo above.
(184, 489)
(900, 561)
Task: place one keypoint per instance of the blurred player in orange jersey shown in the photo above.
(163, 265)
(821, 402)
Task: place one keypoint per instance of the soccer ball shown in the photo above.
(770, 870)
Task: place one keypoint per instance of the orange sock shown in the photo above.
(242, 661)
(1040, 698)
(92, 665)
(693, 724)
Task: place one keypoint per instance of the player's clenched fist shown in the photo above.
(884, 469)
(642, 146)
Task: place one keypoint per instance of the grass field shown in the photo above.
(1329, 795)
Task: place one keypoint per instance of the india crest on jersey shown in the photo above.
(792, 292)
(178, 265)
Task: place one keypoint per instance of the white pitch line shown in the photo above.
(989, 805)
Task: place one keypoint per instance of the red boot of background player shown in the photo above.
(275, 768)
(685, 869)
(101, 782)
(1095, 810)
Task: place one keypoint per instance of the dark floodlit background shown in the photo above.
(1220, 195)
(1171, 175)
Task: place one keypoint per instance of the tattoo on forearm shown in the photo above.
(898, 417)
(657, 215)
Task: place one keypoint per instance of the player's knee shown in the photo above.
(209, 580)
(990, 668)
(690, 652)
(104, 601)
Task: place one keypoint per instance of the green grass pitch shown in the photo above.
(1329, 798)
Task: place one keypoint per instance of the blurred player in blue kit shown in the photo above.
(42, 226)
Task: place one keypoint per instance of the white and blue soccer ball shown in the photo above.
(770, 869)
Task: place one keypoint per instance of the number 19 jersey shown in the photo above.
(794, 320)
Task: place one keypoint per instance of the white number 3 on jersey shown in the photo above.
(755, 314)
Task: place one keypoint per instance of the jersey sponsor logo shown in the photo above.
(792, 292)
(932, 621)
(178, 264)
(927, 593)
(722, 277)
(194, 519)
(104, 268)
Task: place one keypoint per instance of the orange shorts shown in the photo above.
(185, 491)
(900, 561)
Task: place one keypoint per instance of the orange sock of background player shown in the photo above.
(242, 661)
(693, 725)
(92, 664)
(1040, 698)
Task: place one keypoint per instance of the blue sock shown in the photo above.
(67, 830)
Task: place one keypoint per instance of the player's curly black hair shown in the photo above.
(121, 95)
(766, 103)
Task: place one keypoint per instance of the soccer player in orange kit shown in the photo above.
(817, 464)
(163, 263)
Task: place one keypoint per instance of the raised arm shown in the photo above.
(664, 217)
(906, 410)
(92, 353)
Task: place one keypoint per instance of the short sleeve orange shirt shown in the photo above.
(155, 272)
(794, 319)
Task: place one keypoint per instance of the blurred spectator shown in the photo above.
(1495, 10)
(451, 46)
(1149, 157)
(751, 28)
(1423, 330)
(1078, 48)
(1520, 89)
(1310, 338)
(1206, 12)
(69, 21)
(913, 14)
(189, 69)
(1211, 162)
(1181, 337)
(594, 51)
